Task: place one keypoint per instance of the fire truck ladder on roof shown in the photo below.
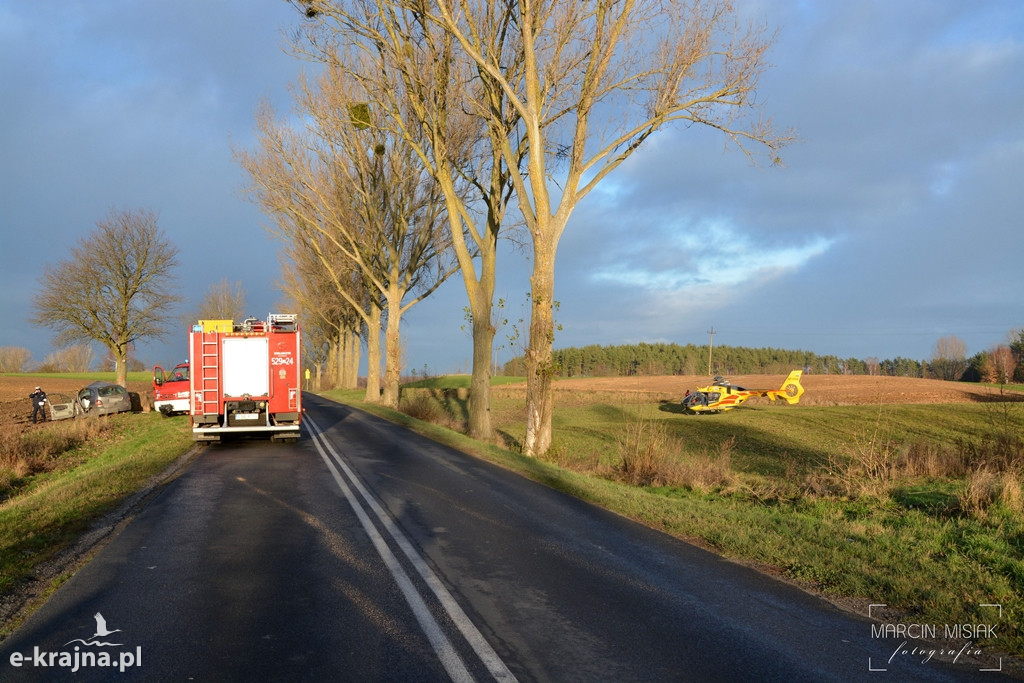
(209, 361)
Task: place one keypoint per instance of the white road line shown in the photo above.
(450, 659)
(483, 649)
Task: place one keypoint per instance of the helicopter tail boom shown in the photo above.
(791, 389)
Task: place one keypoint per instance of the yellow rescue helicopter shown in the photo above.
(720, 395)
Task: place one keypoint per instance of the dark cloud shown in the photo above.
(895, 220)
(123, 104)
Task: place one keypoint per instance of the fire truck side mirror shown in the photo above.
(158, 381)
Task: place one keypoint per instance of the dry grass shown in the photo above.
(26, 453)
(933, 461)
(985, 488)
(437, 406)
(875, 463)
(652, 456)
(421, 406)
(991, 468)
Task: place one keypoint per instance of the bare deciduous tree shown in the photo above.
(222, 301)
(332, 325)
(350, 190)
(949, 360)
(14, 358)
(74, 358)
(999, 365)
(115, 288)
(449, 112)
(589, 81)
(598, 78)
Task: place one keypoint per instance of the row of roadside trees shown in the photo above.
(439, 125)
(433, 128)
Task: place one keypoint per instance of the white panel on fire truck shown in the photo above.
(246, 363)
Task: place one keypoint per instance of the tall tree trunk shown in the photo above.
(373, 355)
(339, 359)
(121, 365)
(480, 293)
(392, 349)
(352, 358)
(539, 370)
(480, 381)
(332, 355)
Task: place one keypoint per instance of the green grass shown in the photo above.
(52, 510)
(830, 496)
(140, 376)
(458, 382)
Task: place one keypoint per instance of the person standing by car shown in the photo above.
(38, 404)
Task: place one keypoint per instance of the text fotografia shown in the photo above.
(78, 659)
(951, 643)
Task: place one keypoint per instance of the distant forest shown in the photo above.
(673, 359)
(1001, 364)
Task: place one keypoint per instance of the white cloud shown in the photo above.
(708, 254)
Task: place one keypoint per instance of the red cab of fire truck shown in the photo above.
(171, 389)
(245, 378)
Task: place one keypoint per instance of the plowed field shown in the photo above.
(15, 407)
(821, 390)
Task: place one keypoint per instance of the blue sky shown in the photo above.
(896, 220)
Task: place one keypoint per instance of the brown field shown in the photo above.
(821, 390)
(16, 409)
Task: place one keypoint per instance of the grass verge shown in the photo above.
(52, 509)
(915, 506)
(458, 382)
(91, 376)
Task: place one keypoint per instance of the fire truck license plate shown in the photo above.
(247, 416)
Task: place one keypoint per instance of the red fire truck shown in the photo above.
(171, 389)
(245, 377)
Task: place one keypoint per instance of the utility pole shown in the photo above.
(711, 345)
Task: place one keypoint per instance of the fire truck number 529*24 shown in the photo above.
(245, 378)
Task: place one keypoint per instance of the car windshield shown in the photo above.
(110, 391)
(179, 374)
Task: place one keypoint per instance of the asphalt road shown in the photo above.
(367, 553)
